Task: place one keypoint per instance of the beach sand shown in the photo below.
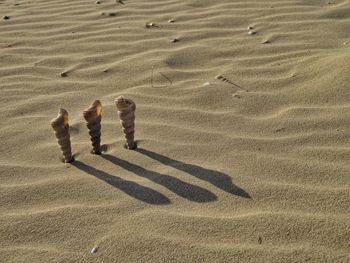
(243, 139)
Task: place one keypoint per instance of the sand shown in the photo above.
(252, 166)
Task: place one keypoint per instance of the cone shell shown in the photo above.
(61, 130)
(126, 112)
(93, 116)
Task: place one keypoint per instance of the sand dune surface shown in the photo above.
(243, 138)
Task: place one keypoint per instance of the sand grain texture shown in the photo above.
(252, 169)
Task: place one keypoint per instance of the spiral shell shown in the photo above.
(93, 117)
(61, 130)
(126, 112)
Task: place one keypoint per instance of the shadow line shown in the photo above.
(218, 179)
(131, 188)
(189, 191)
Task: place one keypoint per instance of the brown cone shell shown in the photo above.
(61, 130)
(126, 112)
(93, 117)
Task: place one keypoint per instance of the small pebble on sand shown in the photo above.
(206, 84)
(98, 2)
(109, 13)
(174, 40)
(94, 250)
(266, 42)
(251, 32)
(250, 27)
(171, 21)
(219, 77)
(64, 74)
(149, 25)
(6, 17)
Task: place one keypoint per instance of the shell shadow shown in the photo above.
(131, 188)
(186, 190)
(218, 179)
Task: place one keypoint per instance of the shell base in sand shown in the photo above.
(130, 146)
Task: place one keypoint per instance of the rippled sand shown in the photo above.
(252, 166)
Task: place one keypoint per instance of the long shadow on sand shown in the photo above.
(133, 189)
(189, 191)
(218, 179)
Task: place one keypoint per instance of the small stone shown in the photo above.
(260, 240)
(250, 27)
(236, 96)
(266, 42)
(98, 2)
(149, 25)
(6, 17)
(105, 70)
(94, 250)
(64, 74)
(219, 77)
(206, 84)
(112, 13)
(280, 129)
(174, 40)
(103, 13)
(251, 33)
(171, 21)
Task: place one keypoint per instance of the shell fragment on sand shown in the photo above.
(61, 129)
(126, 112)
